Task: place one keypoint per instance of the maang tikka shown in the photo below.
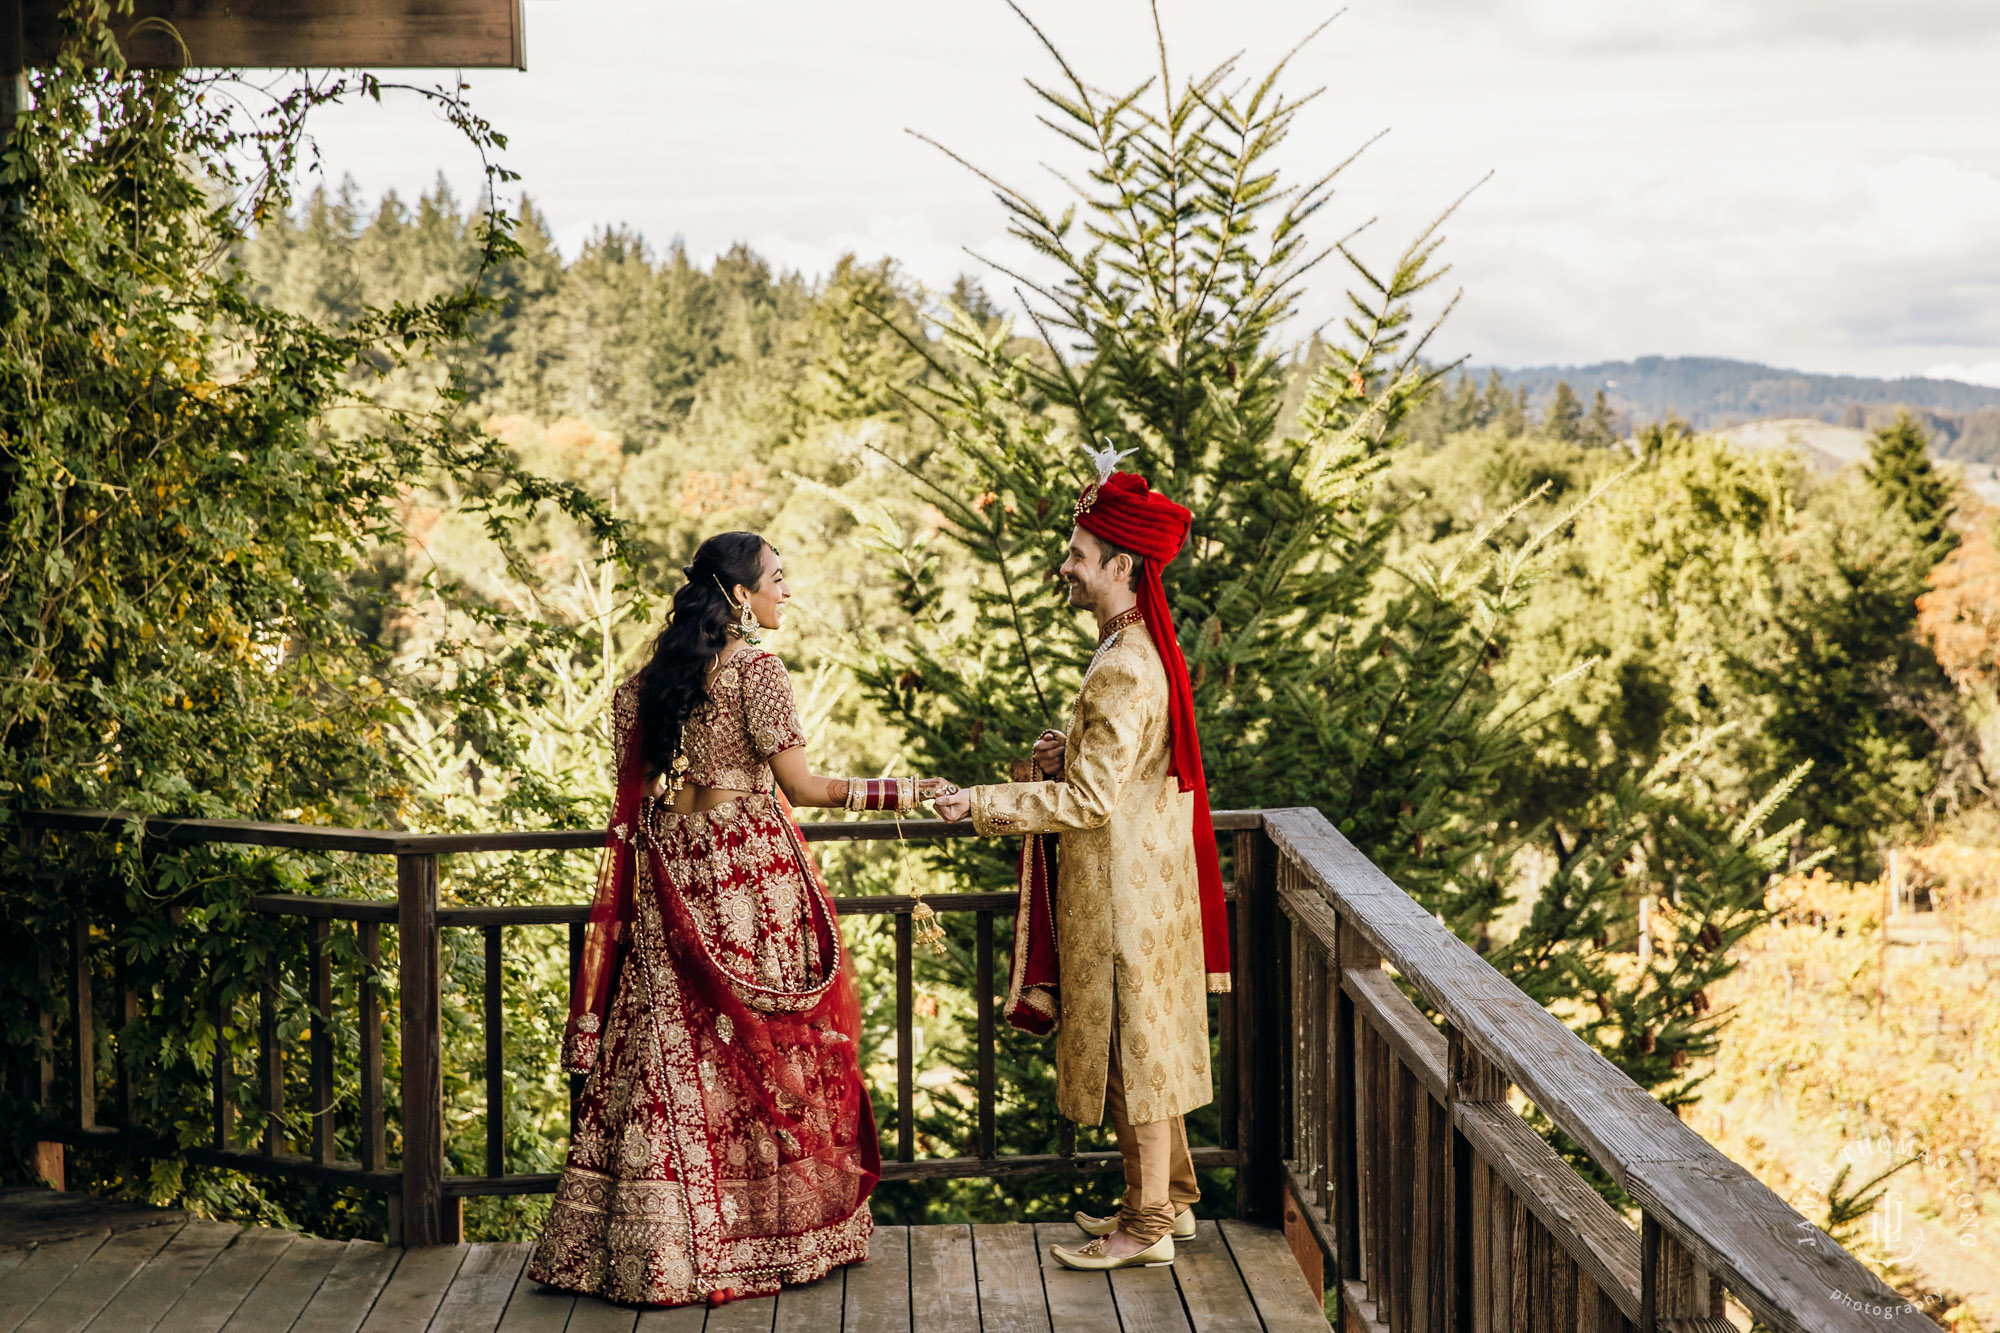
(747, 627)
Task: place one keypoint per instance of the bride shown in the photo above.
(724, 1142)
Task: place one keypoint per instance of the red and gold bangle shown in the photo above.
(898, 794)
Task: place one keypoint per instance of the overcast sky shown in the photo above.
(1811, 183)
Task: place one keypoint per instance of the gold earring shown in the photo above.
(747, 627)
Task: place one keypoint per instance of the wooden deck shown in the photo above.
(70, 1263)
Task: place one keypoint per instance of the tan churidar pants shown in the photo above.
(1159, 1173)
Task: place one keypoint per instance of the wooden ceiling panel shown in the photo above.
(321, 34)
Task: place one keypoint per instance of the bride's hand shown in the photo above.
(929, 789)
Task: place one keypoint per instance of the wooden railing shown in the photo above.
(1384, 1140)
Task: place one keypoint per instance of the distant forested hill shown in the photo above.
(1706, 391)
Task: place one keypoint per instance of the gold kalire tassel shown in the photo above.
(925, 927)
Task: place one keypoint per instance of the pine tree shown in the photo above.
(1565, 418)
(1899, 469)
(1600, 429)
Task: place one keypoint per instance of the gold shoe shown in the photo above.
(1104, 1226)
(1092, 1258)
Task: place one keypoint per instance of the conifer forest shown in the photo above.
(353, 510)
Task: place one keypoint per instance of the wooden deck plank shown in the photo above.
(1077, 1302)
(1211, 1287)
(1011, 1299)
(479, 1292)
(35, 1215)
(95, 1281)
(222, 1287)
(689, 1319)
(593, 1314)
(1272, 1275)
(812, 1307)
(153, 1291)
(45, 1268)
(878, 1291)
(1149, 1300)
(944, 1292)
(349, 1291)
(751, 1316)
(535, 1308)
(415, 1290)
(286, 1288)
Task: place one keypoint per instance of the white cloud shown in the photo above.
(1983, 372)
(1682, 25)
(1808, 182)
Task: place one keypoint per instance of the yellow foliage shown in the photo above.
(1846, 1049)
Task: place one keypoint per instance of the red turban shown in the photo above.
(1127, 512)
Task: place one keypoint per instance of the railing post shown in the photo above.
(423, 1211)
(1473, 1079)
(38, 1074)
(1261, 1030)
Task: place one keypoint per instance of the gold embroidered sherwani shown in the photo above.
(1128, 908)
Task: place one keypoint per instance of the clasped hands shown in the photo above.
(1051, 749)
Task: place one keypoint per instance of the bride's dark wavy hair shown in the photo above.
(674, 682)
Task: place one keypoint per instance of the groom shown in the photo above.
(1140, 930)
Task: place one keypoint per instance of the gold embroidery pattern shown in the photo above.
(749, 717)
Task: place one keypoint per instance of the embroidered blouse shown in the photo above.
(750, 716)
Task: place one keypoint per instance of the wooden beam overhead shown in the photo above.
(312, 34)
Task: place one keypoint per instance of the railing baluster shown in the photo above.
(1520, 1241)
(322, 1040)
(983, 979)
(906, 1129)
(576, 929)
(1472, 1078)
(128, 1014)
(1441, 1254)
(224, 1069)
(496, 1130)
(368, 942)
(424, 1219)
(1345, 1209)
(1403, 1094)
(271, 1059)
(83, 1036)
(1380, 1169)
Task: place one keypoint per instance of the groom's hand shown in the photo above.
(1051, 748)
(953, 807)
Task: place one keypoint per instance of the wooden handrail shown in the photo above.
(1784, 1270)
(315, 838)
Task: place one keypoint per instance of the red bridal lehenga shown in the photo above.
(724, 1142)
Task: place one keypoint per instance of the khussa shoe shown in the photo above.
(1104, 1226)
(1092, 1258)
